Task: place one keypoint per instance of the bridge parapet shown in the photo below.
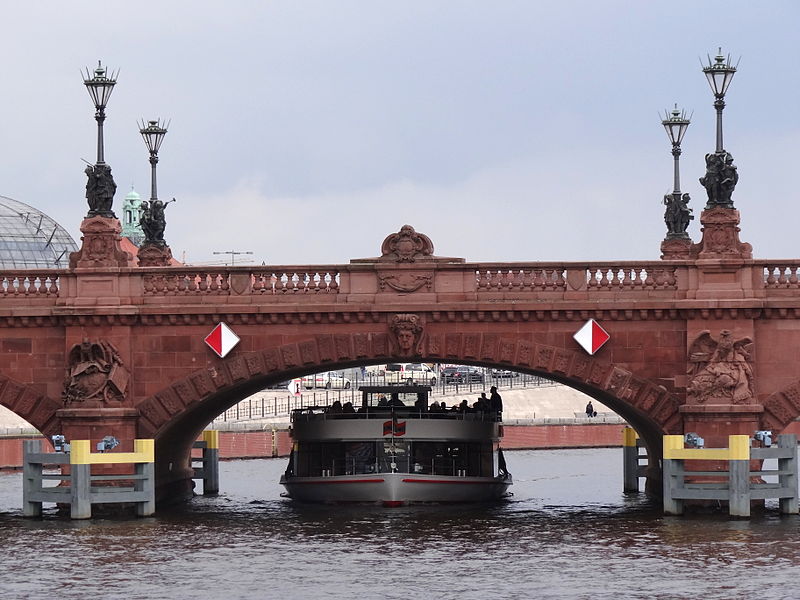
(416, 283)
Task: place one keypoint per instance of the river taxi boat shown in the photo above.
(395, 449)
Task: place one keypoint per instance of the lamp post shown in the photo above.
(100, 87)
(676, 124)
(153, 134)
(719, 74)
(678, 214)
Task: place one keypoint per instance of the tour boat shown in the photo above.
(395, 449)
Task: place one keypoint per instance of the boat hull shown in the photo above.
(395, 489)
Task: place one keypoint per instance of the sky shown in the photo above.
(307, 131)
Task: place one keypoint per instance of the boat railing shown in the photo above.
(312, 413)
(394, 464)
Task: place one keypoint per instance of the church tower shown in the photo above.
(131, 228)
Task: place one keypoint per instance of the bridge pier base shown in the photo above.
(715, 422)
(96, 423)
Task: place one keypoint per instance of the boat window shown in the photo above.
(473, 459)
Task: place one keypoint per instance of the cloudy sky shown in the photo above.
(306, 131)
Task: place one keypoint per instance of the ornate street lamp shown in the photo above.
(153, 219)
(676, 124)
(678, 214)
(100, 87)
(153, 134)
(719, 74)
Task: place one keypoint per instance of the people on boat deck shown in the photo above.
(464, 406)
(347, 408)
(382, 401)
(336, 407)
(482, 404)
(495, 400)
(395, 401)
(421, 403)
(434, 407)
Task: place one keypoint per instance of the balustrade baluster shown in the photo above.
(616, 280)
(549, 281)
(258, 283)
(628, 277)
(782, 279)
(770, 276)
(333, 286)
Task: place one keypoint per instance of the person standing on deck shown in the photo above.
(495, 401)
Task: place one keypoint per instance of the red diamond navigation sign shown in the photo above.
(591, 336)
(222, 340)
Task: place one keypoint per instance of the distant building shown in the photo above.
(131, 228)
(29, 239)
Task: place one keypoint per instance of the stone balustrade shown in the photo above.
(781, 274)
(537, 280)
(29, 283)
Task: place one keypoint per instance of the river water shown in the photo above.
(568, 532)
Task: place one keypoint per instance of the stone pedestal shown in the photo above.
(676, 248)
(100, 245)
(721, 237)
(152, 255)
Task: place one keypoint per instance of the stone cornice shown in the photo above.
(346, 315)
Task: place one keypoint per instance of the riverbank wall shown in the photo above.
(249, 440)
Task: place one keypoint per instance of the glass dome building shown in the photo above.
(29, 239)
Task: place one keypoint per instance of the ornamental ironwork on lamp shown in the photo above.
(719, 74)
(153, 133)
(100, 85)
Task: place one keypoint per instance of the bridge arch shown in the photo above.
(177, 414)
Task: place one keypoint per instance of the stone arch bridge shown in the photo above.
(704, 339)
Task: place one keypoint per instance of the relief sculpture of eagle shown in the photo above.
(95, 374)
(720, 371)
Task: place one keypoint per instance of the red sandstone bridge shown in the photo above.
(703, 340)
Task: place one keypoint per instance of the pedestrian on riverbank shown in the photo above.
(590, 410)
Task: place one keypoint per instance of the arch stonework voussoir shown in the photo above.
(569, 366)
(781, 408)
(30, 404)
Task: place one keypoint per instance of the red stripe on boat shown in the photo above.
(338, 481)
(442, 481)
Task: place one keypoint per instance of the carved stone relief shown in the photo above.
(96, 375)
(407, 331)
(720, 372)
